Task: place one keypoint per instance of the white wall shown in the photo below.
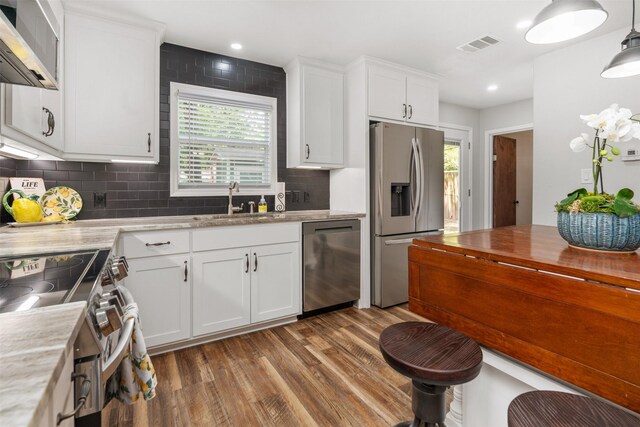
(567, 83)
(524, 175)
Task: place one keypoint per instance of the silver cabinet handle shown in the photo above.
(186, 271)
(51, 122)
(308, 151)
(85, 389)
(404, 111)
(410, 111)
(255, 262)
(158, 244)
(246, 269)
(149, 142)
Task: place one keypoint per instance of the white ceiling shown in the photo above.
(420, 34)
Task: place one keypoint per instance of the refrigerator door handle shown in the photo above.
(417, 155)
(399, 241)
(421, 176)
(412, 173)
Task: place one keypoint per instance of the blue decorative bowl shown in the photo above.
(600, 231)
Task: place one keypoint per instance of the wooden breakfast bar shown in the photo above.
(523, 292)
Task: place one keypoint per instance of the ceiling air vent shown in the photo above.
(478, 44)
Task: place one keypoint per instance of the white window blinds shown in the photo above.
(221, 140)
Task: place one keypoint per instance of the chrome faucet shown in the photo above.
(252, 207)
(232, 209)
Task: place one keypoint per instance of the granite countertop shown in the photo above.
(34, 346)
(103, 233)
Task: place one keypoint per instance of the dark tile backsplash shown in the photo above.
(143, 190)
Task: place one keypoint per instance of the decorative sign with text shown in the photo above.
(28, 186)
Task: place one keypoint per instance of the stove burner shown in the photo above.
(9, 291)
(13, 295)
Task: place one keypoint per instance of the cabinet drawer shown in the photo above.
(244, 235)
(152, 243)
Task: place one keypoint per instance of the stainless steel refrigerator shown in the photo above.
(407, 201)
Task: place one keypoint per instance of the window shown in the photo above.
(219, 136)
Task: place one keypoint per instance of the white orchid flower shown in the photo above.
(579, 143)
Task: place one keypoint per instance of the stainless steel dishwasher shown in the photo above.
(331, 255)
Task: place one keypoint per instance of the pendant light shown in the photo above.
(564, 20)
(627, 62)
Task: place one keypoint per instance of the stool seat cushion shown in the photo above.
(553, 408)
(431, 353)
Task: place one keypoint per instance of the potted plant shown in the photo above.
(596, 219)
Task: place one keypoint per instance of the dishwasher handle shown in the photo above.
(325, 227)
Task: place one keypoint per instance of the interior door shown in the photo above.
(430, 204)
(504, 181)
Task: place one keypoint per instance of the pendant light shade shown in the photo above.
(627, 62)
(564, 20)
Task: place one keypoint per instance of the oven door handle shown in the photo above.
(120, 351)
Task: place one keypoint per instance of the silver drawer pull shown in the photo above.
(158, 244)
(85, 389)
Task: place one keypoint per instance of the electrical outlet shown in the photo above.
(100, 200)
(295, 196)
(586, 176)
(307, 197)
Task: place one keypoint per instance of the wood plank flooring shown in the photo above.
(322, 371)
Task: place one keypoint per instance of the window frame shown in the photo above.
(174, 154)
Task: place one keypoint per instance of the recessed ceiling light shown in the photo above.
(236, 46)
(492, 88)
(523, 24)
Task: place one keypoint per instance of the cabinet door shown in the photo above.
(422, 101)
(275, 281)
(322, 120)
(25, 113)
(387, 95)
(110, 87)
(221, 290)
(52, 101)
(163, 296)
(24, 110)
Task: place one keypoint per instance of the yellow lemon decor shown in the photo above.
(25, 209)
(63, 202)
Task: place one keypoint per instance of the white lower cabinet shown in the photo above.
(221, 292)
(161, 286)
(60, 401)
(275, 282)
(231, 277)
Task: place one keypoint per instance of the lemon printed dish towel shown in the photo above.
(136, 373)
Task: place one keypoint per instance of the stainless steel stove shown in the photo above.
(28, 283)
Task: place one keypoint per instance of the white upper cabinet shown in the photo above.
(400, 95)
(422, 101)
(387, 93)
(111, 89)
(315, 114)
(35, 113)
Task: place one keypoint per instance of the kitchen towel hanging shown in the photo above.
(280, 195)
(136, 370)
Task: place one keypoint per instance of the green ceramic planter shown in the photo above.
(600, 231)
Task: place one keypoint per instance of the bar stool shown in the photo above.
(434, 357)
(554, 408)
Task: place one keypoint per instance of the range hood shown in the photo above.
(28, 43)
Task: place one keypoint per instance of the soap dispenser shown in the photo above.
(262, 205)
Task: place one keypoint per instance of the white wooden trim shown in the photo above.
(488, 176)
(466, 175)
(175, 191)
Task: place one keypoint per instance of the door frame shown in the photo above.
(488, 164)
(453, 132)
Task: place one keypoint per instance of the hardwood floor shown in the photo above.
(322, 371)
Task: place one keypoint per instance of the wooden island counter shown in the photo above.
(524, 292)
